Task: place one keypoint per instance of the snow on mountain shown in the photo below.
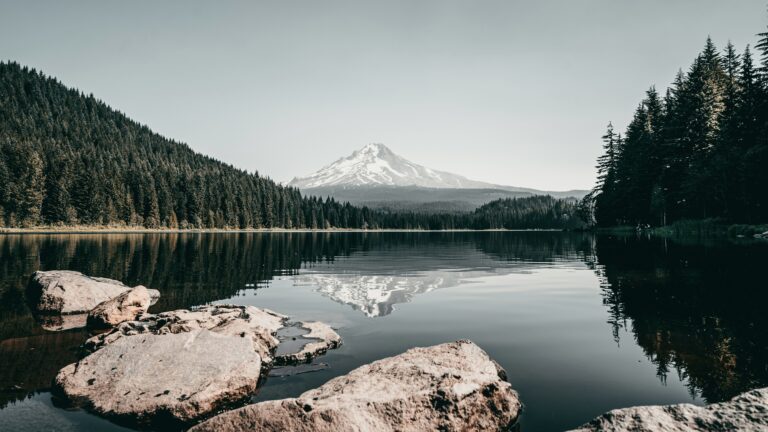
(377, 165)
(375, 174)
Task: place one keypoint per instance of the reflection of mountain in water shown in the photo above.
(196, 268)
(374, 296)
(377, 295)
(375, 281)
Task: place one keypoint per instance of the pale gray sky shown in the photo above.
(510, 92)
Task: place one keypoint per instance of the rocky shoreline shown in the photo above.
(198, 369)
(181, 366)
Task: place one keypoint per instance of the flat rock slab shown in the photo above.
(259, 325)
(177, 366)
(449, 387)
(746, 412)
(177, 376)
(256, 325)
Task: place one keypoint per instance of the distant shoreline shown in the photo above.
(139, 230)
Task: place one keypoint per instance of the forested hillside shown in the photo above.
(69, 159)
(699, 150)
(536, 212)
(528, 212)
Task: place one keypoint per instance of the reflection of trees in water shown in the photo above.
(697, 310)
(30, 363)
(536, 246)
(189, 269)
(192, 269)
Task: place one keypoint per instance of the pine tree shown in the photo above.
(57, 205)
(604, 192)
(762, 46)
(606, 163)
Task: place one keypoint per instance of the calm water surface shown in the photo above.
(582, 324)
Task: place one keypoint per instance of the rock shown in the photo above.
(450, 387)
(71, 292)
(261, 325)
(177, 366)
(319, 340)
(258, 325)
(125, 307)
(172, 376)
(748, 411)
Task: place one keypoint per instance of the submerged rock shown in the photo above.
(450, 387)
(125, 307)
(71, 292)
(320, 338)
(747, 412)
(57, 323)
(180, 365)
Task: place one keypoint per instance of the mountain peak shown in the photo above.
(377, 165)
(374, 150)
(374, 147)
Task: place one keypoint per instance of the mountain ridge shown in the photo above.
(375, 166)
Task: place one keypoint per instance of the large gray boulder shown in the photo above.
(179, 365)
(181, 376)
(448, 387)
(71, 292)
(746, 412)
(125, 307)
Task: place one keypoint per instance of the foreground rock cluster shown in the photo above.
(449, 387)
(182, 365)
(746, 412)
(68, 299)
(185, 366)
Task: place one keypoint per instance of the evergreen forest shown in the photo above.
(698, 150)
(68, 159)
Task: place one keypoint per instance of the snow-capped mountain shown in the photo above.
(377, 177)
(377, 165)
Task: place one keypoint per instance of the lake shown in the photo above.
(582, 323)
